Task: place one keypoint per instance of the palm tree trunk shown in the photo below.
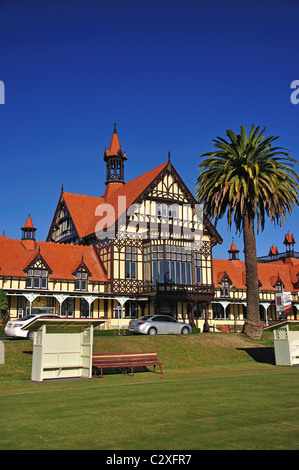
(253, 324)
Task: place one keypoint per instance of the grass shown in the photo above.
(218, 391)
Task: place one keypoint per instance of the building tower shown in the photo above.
(233, 252)
(289, 242)
(28, 231)
(115, 158)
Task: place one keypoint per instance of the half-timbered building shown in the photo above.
(143, 247)
(278, 276)
(42, 277)
(150, 236)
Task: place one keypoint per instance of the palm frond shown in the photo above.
(245, 173)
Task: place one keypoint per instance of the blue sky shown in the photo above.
(173, 74)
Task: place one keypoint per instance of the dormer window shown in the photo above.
(82, 274)
(225, 288)
(37, 279)
(81, 281)
(279, 288)
(37, 273)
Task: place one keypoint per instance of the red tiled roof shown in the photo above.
(111, 188)
(268, 274)
(234, 270)
(82, 208)
(61, 258)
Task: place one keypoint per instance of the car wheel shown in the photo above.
(30, 335)
(152, 331)
(185, 330)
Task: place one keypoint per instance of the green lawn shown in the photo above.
(218, 391)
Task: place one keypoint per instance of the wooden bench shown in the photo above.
(124, 360)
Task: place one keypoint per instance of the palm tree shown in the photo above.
(248, 179)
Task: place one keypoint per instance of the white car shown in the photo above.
(14, 328)
(159, 325)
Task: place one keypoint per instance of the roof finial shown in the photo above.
(115, 132)
(169, 156)
(62, 188)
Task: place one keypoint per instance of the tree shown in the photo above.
(4, 316)
(248, 179)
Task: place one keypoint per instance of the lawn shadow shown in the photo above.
(263, 355)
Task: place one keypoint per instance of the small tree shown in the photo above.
(4, 315)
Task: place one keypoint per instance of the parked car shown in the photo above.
(14, 328)
(158, 324)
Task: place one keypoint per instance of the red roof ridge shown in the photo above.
(149, 171)
(82, 195)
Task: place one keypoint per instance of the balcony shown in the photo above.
(181, 292)
(178, 292)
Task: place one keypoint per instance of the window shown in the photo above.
(170, 264)
(37, 279)
(131, 260)
(167, 210)
(131, 309)
(85, 309)
(219, 312)
(197, 268)
(225, 289)
(21, 305)
(64, 226)
(81, 281)
(279, 288)
(68, 308)
(198, 311)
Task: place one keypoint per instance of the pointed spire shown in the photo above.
(273, 251)
(114, 158)
(233, 251)
(28, 231)
(114, 147)
(289, 239)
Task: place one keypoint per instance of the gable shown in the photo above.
(38, 262)
(82, 215)
(82, 268)
(223, 277)
(72, 217)
(169, 186)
